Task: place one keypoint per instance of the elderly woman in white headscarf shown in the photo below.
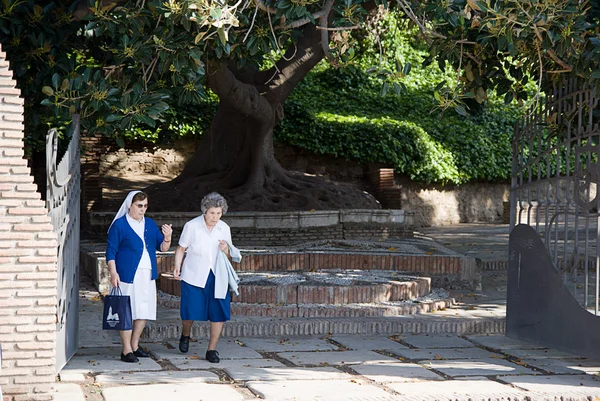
(131, 257)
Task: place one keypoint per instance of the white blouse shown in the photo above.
(202, 249)
(139, 228)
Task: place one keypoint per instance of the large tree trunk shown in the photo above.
(236, 157)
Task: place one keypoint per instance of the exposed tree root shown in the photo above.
(292, 192)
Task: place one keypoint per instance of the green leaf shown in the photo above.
(48, 91)
(113, 117)
(56, 80)
(384, 89)
(222, 36)
(64, 85)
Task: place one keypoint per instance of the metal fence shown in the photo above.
(555, 185)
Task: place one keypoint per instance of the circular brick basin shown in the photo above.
(431, 303)
(326, 287)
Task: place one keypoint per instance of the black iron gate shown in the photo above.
(554, 247)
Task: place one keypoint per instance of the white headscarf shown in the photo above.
(124, 209)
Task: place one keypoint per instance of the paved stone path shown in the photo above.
(374, 367)
(346, 367)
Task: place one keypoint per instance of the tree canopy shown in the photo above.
(122, 63)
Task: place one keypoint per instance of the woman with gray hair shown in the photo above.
(202, 238)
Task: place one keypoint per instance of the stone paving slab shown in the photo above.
(437, 341)
(174, 392)
(101, 360)
(169, 377)
(476, 367)
(558, 385)
(565, 366)
(71, 377)
(283, 344)
(330, 390)
(266, 374)
(336, 358)
(228, 349)
(396, 372)
(110, 350)
(502, 342)
(358, 342)
(538, 353)
(187, 364)
(446, 353)
(68, 392)
(474, 389)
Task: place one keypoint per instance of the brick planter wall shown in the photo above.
(27, 263)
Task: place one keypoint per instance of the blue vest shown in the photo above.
(125, 247)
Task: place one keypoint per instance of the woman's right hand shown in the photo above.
(115, 280)
(177, 273)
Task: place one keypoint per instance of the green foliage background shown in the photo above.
(343, 113)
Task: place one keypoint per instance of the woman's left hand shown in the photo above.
(167, 231)
(223, 246)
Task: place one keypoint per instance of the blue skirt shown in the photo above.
(200, 303)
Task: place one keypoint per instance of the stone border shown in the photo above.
(287, 228)
(293, 220)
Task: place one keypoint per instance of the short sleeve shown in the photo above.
(187, 236)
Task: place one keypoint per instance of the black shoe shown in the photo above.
(129, 357)
(184, 344)
(140, 353)
(212, 356)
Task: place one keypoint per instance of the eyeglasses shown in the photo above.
(141, 205)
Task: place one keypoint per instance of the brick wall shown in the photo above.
(91, 189)
(27, 263)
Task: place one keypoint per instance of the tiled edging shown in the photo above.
(493, 265)
(333, 326)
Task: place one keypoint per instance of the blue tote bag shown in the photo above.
(117, 311)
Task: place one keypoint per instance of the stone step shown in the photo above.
(161, 330)
(325, 287)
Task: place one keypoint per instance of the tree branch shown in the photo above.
(324, 33)
(410, 14)
(242, 97)
(299, 59)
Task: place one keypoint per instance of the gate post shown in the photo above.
(28, 250)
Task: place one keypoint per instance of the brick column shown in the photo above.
(28, 251)
(387, 192)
